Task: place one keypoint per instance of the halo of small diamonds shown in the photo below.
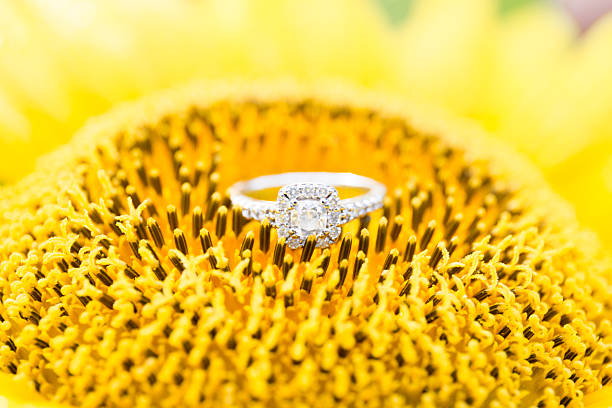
(306, 209)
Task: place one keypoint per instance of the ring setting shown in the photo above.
(308, 204)
(308, 209)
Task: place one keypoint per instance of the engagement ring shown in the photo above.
(308, 203)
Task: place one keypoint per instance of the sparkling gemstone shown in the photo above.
(307, 209)
(309, 217)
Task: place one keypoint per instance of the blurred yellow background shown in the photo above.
(527, 71)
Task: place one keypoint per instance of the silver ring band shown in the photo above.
(308, 203)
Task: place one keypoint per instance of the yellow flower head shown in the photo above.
(128, 279)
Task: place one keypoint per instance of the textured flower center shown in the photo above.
(128, 279)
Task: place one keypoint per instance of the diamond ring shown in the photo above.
(308, 203)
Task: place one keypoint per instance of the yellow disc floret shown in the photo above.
(127, 278)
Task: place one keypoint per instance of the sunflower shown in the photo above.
(469, 233)
(129, 279)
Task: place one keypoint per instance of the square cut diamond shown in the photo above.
(309, 216)
(308, 209)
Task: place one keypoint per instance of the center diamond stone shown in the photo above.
(309, 216)
(305, 209)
